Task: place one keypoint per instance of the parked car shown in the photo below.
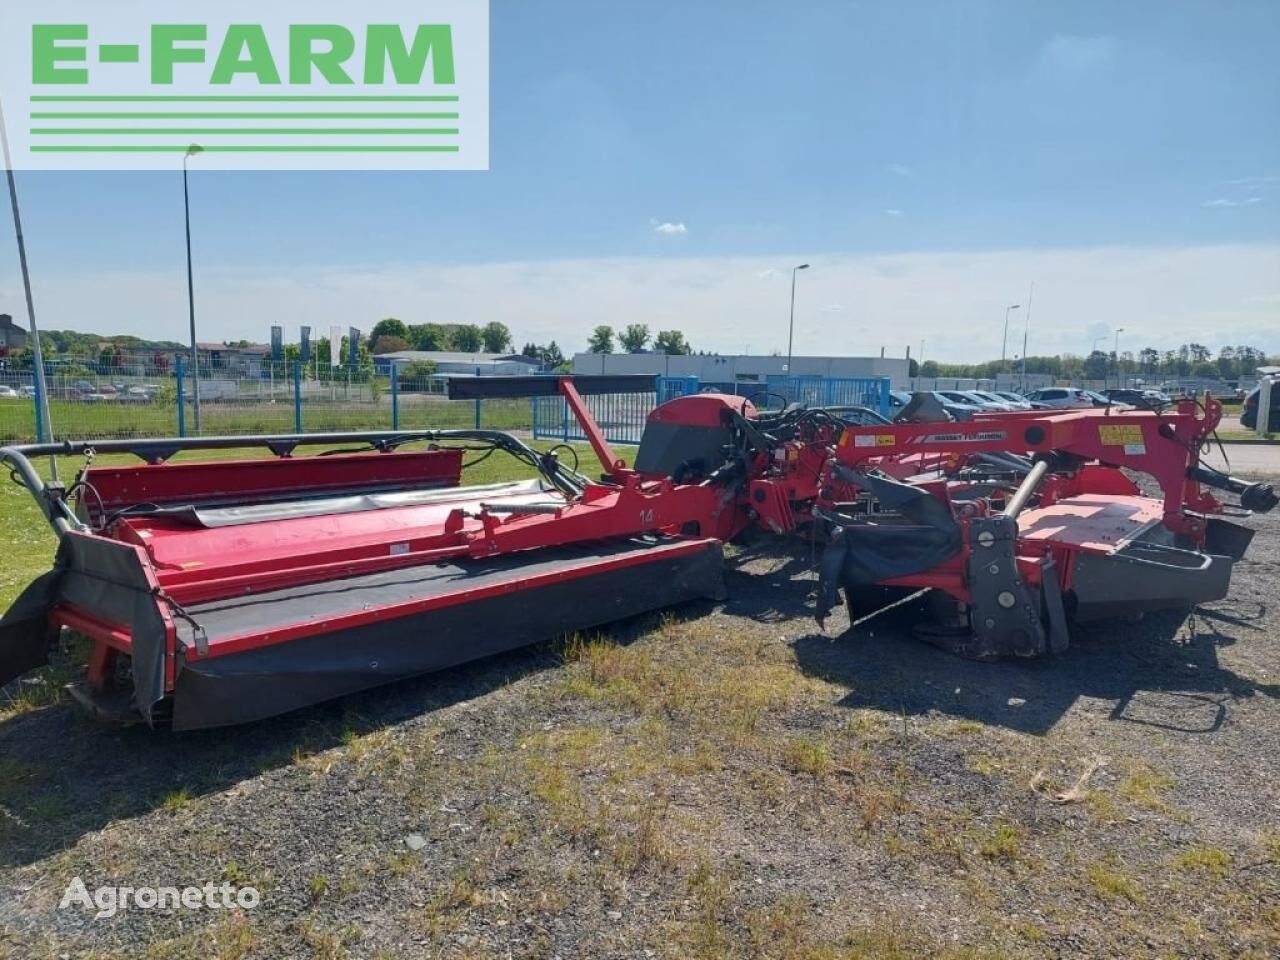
(1010, 400)
(1143, 399)
(974, 399)
(1059, 398)
(1021, 402)
(1249, 414)
(960, 409)
(8, 393)
(898, 400)
(27, 390)
(986, 402)
(1102, 400)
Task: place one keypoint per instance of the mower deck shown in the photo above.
(274, 651)
(219, 592)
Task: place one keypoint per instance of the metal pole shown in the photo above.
(1004, 344)
(182, 398)
(297, 396)
(395, 395)
(1025, 489)
(191, 296)
(37, 353)
(1116, 351)
(791, 325)
(1026, 329)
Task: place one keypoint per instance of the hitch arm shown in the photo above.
(1259, 497)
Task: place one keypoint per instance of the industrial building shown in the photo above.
(469, 364)
(743, 368)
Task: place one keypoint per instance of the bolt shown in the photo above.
(1006, 599)
(989, 623)
(986, 538)
(993, 569)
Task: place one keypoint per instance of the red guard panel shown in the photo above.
(246, 480)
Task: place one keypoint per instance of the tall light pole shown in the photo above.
(37, 354)
(191, 289)
(1004, 344)
(1026, 330)
(791, 327)
(1119, 330)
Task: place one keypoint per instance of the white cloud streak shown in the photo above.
(670, 229)
(1162, 296)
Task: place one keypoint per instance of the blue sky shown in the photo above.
(930, 158)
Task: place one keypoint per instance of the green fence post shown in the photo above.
(395, 395)
(297, 396)
(182, 399)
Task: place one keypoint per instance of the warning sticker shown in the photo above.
(874, 440)
(1120, 435)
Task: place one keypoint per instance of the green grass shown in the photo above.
(116, 420)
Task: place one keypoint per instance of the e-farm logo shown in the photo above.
(146, 84)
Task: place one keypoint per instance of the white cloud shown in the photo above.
(893, 212)
(1162, 296)
(669, 229)
(1229, 202)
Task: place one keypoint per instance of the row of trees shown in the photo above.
(392, 335)
(635, 339)
(1189, 360)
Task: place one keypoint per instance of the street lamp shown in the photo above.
(1004, 344)
(191, 290)
(791, 328)
(1119, 330)
(1096, 340)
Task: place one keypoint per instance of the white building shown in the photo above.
(743, 369)
(470, 364)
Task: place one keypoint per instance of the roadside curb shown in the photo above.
(1251, 443)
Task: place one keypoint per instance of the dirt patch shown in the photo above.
(724, 781)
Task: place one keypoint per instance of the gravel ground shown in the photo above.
(723, 781)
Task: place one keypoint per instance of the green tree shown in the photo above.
(930, 369)
(635, 338)
(390, 327)
(496, 336)
(468, 338)
(601, 340)
(388, 343)
(1097, 365)
(428, 336)
(671, 342)
(416, 373)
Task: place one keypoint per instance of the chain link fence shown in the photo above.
(152, 401)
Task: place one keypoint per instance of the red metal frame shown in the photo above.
(188, 566)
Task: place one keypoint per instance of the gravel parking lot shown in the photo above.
(722, 782)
